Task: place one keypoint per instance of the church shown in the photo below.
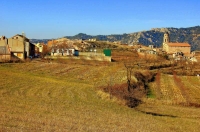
(171, 48)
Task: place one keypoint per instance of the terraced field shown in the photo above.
(175, 96)
(173, 89)
(39, 96)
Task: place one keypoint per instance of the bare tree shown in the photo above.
(129, 67)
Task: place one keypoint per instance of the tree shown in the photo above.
(129, 68)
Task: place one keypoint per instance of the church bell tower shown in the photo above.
(166, 40)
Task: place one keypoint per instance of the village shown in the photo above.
(19, 48)
(65, 74)
(99, 66)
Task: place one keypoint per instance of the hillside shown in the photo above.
(154, 36)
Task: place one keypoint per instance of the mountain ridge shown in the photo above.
(153, 36)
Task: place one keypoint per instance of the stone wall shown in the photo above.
(5, 58)
(185, 50)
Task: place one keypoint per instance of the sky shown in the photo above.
(51, 19)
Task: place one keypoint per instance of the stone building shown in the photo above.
(20, 47)
(17, 47)
(171, 48)
(41, 49)
(4, 50)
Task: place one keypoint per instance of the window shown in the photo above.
(19, 55)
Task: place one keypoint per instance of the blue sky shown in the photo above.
(47, 19)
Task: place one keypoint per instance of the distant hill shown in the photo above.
(154, 36)
(39, 40)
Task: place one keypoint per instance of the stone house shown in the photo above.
(41, 49)
(93, 39)
(196, 56)
(17, 47)
(62, 51)
(20, 47)
(196, 53)
(147, 50)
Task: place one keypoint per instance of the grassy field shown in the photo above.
(40, 96)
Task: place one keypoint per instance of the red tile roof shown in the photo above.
(178, 45)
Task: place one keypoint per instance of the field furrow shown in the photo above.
(166, 93)
(177, 95)
(192, 88)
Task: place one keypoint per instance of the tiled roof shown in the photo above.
(178, 45)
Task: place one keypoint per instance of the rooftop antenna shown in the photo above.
(23, 34)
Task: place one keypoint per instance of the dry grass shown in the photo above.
(177, 96)
(63, 97)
